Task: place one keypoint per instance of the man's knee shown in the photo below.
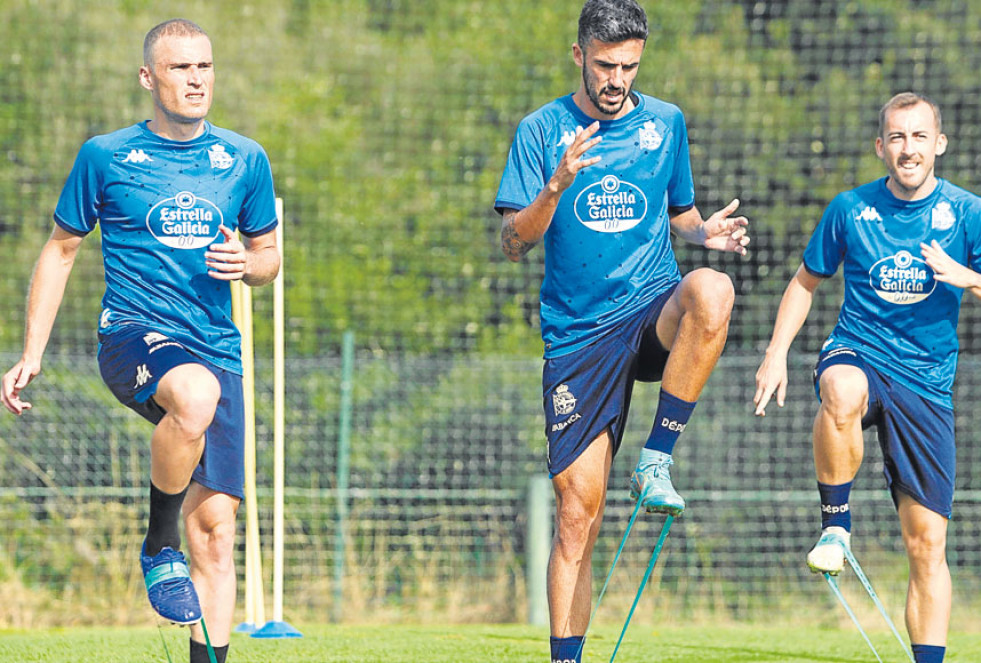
(212, 544)
(710, 295)
(577, 525)
(190, 394)
(844, 393)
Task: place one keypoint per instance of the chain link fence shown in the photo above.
(387, 123)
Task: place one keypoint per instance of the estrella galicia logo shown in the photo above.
(902, 279)
(185, 221)
(610, 205)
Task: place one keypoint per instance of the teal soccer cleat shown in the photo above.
(828, 554)
(651, 484)
(169, 586)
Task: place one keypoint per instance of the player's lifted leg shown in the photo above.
(838, 451)
(693, 326)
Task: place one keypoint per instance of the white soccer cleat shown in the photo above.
(828, 555)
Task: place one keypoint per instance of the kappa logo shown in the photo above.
(869, 214)
(220, 159)
(154, 337)
(137, 156)
(142, 376)
(563, 401)
(568, 137)
(650, 137)
(104, 318)
(942, 216)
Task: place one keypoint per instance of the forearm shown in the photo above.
(44, 297)
(689, 226)
(521, 230)
(262, 266)
(794, 307)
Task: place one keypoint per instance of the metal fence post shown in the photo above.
(343, 469)
(538, 542)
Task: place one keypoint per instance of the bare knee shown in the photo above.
(577, 528)
(190, 396)
(709, 296)
(844, 395)
(212, 546)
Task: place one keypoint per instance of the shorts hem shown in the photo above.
(238, 493)
(898, 487)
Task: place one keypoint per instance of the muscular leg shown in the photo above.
(838, 443)
(694, 325)
(929, 597)
(580, 492)
(209, 521)
(189, 394)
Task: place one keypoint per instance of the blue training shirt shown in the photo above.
(894, 313)
(159, 204)
(608, 249)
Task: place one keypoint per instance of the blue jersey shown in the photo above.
(159, 204)
(902, 321)
(608, 249)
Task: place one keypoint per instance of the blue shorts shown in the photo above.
(132, 361)
(916, 434)
(588, 391)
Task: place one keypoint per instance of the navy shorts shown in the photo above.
(588, 391)
(916, 434)
(132, 361)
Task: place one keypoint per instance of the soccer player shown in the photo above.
(909, 245)
(169, 193)
(603, 175)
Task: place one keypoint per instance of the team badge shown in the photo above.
(220, 159)
(563, 401)
(650, 137)
(943, 216)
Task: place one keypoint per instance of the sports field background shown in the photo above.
(387, 123)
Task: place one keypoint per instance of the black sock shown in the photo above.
(199, 653)
(164, 526)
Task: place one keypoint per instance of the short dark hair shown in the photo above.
(905, 100)
(175, 27)
(611, 22)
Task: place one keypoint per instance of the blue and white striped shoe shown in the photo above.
(828, 554)
(169, 586)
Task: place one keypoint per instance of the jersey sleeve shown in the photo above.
(826, 248)
(258, 213)
(524, 175)
(974, 237)
(681, 187)
(81, 198)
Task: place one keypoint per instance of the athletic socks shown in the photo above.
(834, 506)
(669, 421)
(566, 650)
(199, 653)
(929, 653)
(163, 528)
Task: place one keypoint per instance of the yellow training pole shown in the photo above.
(279, 422)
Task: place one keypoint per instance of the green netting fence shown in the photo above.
(387, 123)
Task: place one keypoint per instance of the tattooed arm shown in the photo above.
(522, 229)
(511, 243)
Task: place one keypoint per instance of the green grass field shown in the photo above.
(464, 644)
